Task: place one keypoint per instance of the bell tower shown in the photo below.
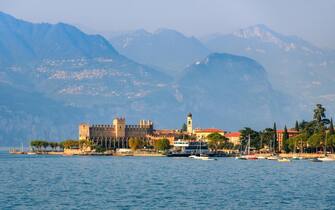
(189, 123)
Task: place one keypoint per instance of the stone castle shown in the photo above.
(115, 135)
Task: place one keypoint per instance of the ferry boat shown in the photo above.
(186, 148)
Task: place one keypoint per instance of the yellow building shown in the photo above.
(201, 134)
(234, 137)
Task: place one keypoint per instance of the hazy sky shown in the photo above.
(313, 20)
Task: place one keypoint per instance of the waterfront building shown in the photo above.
(280, 134)
(201, 134)
(115, 135)
(170, 135)
(234, 137)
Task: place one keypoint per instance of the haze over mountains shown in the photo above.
(294, 66)
(164, 49)
(54, 76)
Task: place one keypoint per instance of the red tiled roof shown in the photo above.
(289, 131)
(165, 131)
(233, 134)
(209, 130)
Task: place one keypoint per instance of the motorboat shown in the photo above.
(283, 160)
(272, 157)
(315, 160)
(201, 157)
(248, 157)
(326, 159)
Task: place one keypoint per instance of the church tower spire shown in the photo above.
(189, 123)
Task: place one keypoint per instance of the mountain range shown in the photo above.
(165, 49)
(54, 76)
(294, 65)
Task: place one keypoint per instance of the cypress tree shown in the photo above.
(296, 125)
(331, 127)
(275, 144)
(285, 140)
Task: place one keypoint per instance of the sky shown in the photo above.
(313, 20)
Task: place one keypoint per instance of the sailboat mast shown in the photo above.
(249, 145)
(325, 147)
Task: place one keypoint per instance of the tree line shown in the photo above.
(312, 136)
(159, 145)
(42, 145)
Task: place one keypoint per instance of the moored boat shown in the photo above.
(315, 160)
(295, 158)
(326, 159)
(274, 157)
(284, 160)
(201, 157)
(248, 157)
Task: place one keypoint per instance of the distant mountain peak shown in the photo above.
(259, 31)
(168, 31)
(263, 33)
(164, 49)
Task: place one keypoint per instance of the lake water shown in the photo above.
(55, 182)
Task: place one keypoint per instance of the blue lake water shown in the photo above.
(56, 182)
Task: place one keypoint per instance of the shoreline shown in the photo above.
(151, 154)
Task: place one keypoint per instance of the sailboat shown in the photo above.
(325, 158)
(201, 156)
(248, 156)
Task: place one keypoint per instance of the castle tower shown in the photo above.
(119, 127)
(84, 131)
(189, 123)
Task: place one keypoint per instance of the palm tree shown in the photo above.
(319, 113)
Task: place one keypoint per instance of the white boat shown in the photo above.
(284, 160)
(249, 157)
(201, 157)
(272, 158)
(261, 158)
(31, 153)
(326, 159)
